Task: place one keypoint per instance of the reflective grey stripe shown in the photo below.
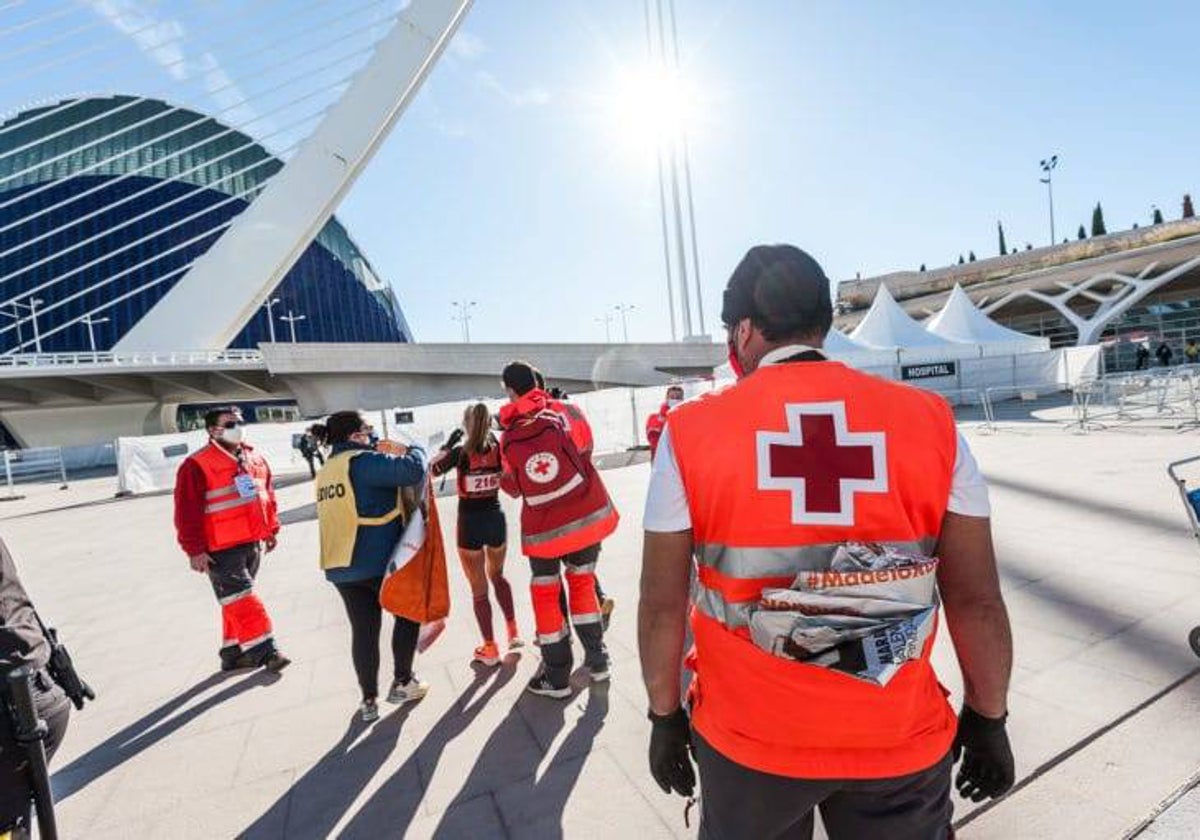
(585, 569)
(551, 638)
(237, 596)
(232, 503)
(713, 605)
(586, 618)
(590, 519)
(743, 562)
(545, 498)
(220, 491)
(543, 580)
(263, 638)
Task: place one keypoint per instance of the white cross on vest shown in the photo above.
(821, 463)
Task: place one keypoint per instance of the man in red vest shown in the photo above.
(224, 511)
(805, 491)
(656, 422)
(565, 514)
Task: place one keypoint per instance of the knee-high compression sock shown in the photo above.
(483, 615)
(504, 597)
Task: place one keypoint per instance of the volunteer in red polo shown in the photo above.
(225, 514)
(808, 466)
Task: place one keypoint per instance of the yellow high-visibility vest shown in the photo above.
(337, 511)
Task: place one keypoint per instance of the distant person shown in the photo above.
(1191, 352)
(1142, 354)
(482, 528)
(23, 643)
(1164, 354)
(361, 518)
(565, 514)
(310, 447)
(656, 422)
(225, 516)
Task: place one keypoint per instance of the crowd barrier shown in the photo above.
(40, 465)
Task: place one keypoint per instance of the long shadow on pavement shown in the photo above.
(535, 804)
(391, 809)
(312, 806)
(150, 729)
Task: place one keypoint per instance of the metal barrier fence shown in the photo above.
(32, 466)
(1163, 396)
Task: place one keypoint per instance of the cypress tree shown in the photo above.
(1081, 234)
(970, 256)
(922, 266)
(1188, 212)
(1158, 219)
(1098, 228)
(1003, 245)
(960, 259)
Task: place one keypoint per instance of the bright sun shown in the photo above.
(651, 105)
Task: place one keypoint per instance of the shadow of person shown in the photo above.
(534, 805)
(391, 809)
(312, 806)
(152, 728)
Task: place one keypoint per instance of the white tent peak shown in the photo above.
(887, 325)
(960, 320)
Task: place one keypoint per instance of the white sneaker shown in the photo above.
(368, 711)
(600, 674)
(408, 692)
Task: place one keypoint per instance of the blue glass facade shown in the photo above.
(104, 203)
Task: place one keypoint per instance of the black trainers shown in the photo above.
(543, 686)
(275, 662)
(244, 662)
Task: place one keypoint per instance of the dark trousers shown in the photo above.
(16, 792)
(311, 457)
(246, 627)
(557, 656)
(361, 598)
(739, 802)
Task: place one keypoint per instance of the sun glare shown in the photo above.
(651, 105)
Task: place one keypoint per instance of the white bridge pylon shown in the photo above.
(225, 287)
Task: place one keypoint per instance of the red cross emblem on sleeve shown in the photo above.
(821, 463)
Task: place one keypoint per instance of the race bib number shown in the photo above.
(246, 486)
(483, 483)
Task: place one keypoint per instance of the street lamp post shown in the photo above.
(464, 316)
(32, 306)
(271, 318)
(607, 321)
(291, 318)
(1048, 167)
(89, 320)
(624, 309)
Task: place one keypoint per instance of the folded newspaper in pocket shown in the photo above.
(866, 615)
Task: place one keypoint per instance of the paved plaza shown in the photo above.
(1101, 576)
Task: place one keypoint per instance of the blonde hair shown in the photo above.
(478, 422)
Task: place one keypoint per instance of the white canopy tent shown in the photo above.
(887, 326)
(842, 347)
(960, 320)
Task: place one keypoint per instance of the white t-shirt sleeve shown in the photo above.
(968, 489)
(666, 500)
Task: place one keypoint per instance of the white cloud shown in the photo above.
(466, 46)
(530, 96)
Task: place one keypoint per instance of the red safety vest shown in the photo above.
(780, 469)
(565, 504)
(655, 424)
(234, 516)
(479, 477)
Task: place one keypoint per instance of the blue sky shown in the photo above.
(876, 135)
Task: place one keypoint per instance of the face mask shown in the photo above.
(673, 401)
(735, 363)
(233, 436)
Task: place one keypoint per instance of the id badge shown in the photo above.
(246, 487)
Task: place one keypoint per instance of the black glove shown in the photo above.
(671, 752)
(453, 440)
(987, 769)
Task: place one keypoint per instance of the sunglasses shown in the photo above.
(232, 424)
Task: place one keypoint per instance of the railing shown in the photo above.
(31, 466)
(108, 358)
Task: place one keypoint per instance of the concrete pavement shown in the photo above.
(1101, 577)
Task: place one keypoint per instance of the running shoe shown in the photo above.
(368, 711)
(487, 654)
(407, 692)
(514, 638)
(275, 662)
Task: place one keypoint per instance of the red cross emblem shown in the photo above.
(822, 463)
(542, 468)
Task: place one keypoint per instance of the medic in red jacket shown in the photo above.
(565, 514)
(655, 423)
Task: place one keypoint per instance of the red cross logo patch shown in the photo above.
(542, 468)
(822, 463)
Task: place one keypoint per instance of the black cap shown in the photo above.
(782, 290)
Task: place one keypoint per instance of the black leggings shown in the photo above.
(361, 598)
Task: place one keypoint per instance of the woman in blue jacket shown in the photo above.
(361, 517)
